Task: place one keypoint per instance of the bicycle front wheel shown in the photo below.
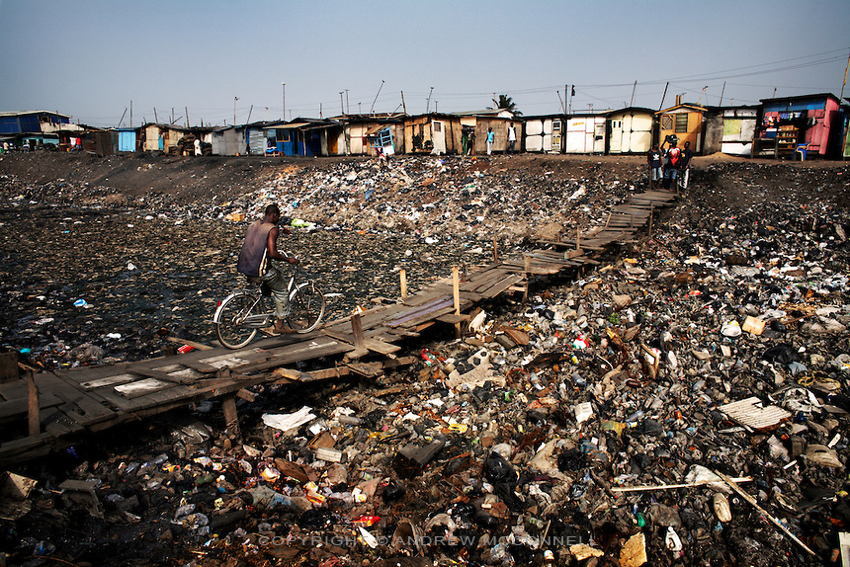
(307, 307)
(229, 320)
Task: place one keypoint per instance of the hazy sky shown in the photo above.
(89, 58)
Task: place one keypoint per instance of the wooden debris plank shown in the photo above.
(132, 390)
(375, 345)
(571, 244)
(160, 375)
(84, 409)
(296, 353)
(453, 318)
(58, 424)
(427, 295)
(426, 317)
(504, 285)
(417, 313)
(18, 406)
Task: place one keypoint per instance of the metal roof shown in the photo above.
(25, 112)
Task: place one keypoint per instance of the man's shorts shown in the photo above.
(671, 173)
(655, 173)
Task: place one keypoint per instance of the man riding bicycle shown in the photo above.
(258, 249)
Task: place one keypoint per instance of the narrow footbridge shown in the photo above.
(47, 410)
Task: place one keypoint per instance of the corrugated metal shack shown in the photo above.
(433, 133)
(305, 137)
(586, 133)
(739, 125)
(630, 130)
(31, 121)
(544, 133)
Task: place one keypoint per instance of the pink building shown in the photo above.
(795, 125)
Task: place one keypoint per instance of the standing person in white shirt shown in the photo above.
(511, 138)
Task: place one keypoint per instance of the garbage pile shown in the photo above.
(685, 404)
(509, 198)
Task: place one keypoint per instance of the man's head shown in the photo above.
(272, 214)
(687, 145)
(655, 147)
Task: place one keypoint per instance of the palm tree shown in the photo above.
(506, 103)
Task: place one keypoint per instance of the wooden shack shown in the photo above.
(700, 125)
(160, 137)
(433, 133)
(363, 134)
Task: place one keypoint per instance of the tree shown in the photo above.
(506, 103)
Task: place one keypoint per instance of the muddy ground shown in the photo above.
(74, 227)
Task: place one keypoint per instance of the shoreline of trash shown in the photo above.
(611, 420)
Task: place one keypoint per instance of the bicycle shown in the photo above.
(241, 314)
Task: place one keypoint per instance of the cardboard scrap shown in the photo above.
(14, 493)
(750, 412)
(633, 553)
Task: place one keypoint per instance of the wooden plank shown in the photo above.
(109, 381)
(140, 388)
(197, 345)
(415, 314)
(19, 406)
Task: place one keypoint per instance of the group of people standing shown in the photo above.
(671, 165)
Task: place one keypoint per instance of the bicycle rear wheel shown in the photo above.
(229, 319)
(307, 307)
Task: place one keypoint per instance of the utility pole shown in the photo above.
(403, 106)
(844, 83)
(250, 110)
(123, 114)
(663, 96)
(632, 100)
(722, 92)
(341, 106)
(436, 106)
(283, 102)
(428, 101)
(372, 110)
(566, 98)
(155, 119)
(234, 109)
(347, 103)
(774, 93)
(561, 101)
(131, 113)
(172, 115)
(320, 110)
(186, 108)
(359, 107)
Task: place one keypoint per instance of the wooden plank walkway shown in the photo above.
(71, 402)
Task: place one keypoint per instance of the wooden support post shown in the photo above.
(402, 275)
(357, 331)
(608, 220)
(33, 416)
(231, 419)
(495, 250)
(527, 268)
(578, 239)
(456, 297)
(651, 208)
